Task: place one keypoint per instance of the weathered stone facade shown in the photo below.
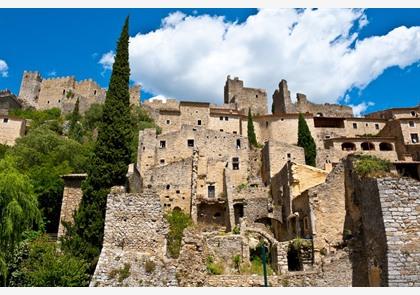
(383, 219)
(11, 129)
(72, 196)
(134, 238)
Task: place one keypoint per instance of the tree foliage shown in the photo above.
(109, 162)
(38, 263)
(44, 156)
(252, 139)
(18, 210)
(306, 141)
(75, 128)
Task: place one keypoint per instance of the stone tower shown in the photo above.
(282, 101)
(245, 97)
(30, 88)
(135, 95)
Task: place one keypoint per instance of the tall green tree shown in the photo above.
(18, 210)
(252, 139)
(109, 163)
(306, 141)
(75, 129)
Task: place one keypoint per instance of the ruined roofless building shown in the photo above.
(62, 92)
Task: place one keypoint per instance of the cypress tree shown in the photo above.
(109, 163)
(75, 129)
(252, 139)
(306, 141)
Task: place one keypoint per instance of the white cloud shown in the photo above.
(107, 60)
(4, 69)
(52, 73)
(317, 51)
(359, 109)
(159, 97)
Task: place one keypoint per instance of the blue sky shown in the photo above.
(61, 42)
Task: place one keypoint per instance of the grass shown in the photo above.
(213, 267)
(178, 221)
(122, 273)
(371, 166)
(256, 267)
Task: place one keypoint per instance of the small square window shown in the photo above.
(163, 144)
(221, 118)
(5, 120)
(367, 124)
(354, 125)
(162, 161)
(221, 130)
(168, 122)
(211, 191)
(411, 123)
(199, 122)
(234, 132)
(235, 163)
(190, 142)
(226, 118)
(377, 126)
(178, 191)
(414, 138)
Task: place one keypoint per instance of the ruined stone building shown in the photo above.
(241, 198)
(11, 128)
(62, 92)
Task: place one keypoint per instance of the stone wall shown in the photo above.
(134, 238)
(323, 110)
(72, 196)
(11, 129)
(383, 219)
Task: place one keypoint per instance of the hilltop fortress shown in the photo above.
(62, 92)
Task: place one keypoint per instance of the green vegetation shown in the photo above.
(255, 267)
(18, 211)
(3, 149)
(75, 128)
(38, 263)
(236, 230)
(236, 261)
(299, 243)
(122, 273)
(149, 266)
(50, 118)
(306, 141)
(178, 221)
(213, 267)
(367, 165)
(252, 139)
(242, 186)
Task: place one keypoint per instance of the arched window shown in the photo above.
(319, 114)
(385, 146)
(367, 146)
(348, 146)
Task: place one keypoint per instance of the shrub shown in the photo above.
(178, 221)
(124, 272)
(38, 263)
(367, 165)
(213, 267)
(306, 141)
(236, 230)
(149, 266)
(236, 261)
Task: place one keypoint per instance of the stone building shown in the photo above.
(62, 92)
(242, 198)
(11, 129)
(8, 101)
